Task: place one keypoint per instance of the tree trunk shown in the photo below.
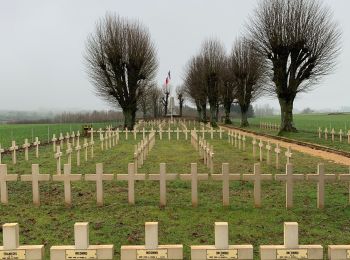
(180, 109)
(227, 107)
(204, 113)
(287, 124)
(129, 118)
(213, 115)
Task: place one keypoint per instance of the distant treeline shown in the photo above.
(66, 117)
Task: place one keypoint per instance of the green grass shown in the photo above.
(120, 224)
(19, 132)
(307, 126)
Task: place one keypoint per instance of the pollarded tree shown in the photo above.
(246, 66)
(227, 89)
(121, 62)
(155, 95)
(180, 92)
(300, 41)
(195, 87)
(213, 56)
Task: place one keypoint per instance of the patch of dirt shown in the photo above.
(334, 157)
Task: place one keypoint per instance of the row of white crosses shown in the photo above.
(268, 147)
(225, 177)
(142, 150)
(291, 249)
(206, 152)
(341, 134)
(237, 139)
(207, 128)
(14, 148)
(108, 138)
(269, 126)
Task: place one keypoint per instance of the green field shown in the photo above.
(120, 224)
(19, 132)
(307, 126)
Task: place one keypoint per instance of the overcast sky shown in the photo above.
(42, 46)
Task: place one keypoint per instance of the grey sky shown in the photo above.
(42, 45)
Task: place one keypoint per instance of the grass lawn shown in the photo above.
(120, 224)
(307, 126)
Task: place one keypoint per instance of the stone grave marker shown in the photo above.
(131, 177)
(338, 252)
(268, 150)
(319, 132)
(81, 248)
(169, 133)
(332, 133)
(254, 147)
(67, 138)
(239, 141)
(261, 145)
(151, 249)
(58, 156)
(291, 248)
(257, 178)
(126, 133)
(26, 145)
(99, 177)
(36, 143)
(162, 177)
(85, 147)
(243, 142)
(194, 177)
(289, 178)
(78, 148)
(67, 178)
(73, 138)
(348, 134)
(226, 177)
(35, 178)
(54, 140)
(69, 153)
(340, 135)
(13, 149)
(4, 178)
(326, 134)
(288, 154)
(11, 248)
(221, 249)
(61, 138)
(320, 178)
(277, 152)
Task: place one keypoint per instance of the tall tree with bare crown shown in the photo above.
(300, 42)
(121, 63)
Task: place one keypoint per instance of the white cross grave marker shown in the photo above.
(1, 152)
(67, 178)
(36, 143)
(291, 248)
(221, 249)
(11, 248)
(320, 178)
(257, 178)
(288, 154)
(61, 138)
(99, 177)
(81, 248)
(261, 145)
(162, 177)
(226, 177)
(151, 249)
(13, 149)
(85, 146)
(35, 178)
(4, 178)
(54, 140)
(277, 151)
(268, 149)
(57, 156)
(131, 177)
(194, 177)
(78, 148)
(69, 153)
(289, 178)
(26, 145)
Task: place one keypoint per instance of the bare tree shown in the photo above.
(121, 62)
(300, 42)
(194, 86)
(246, 66)
(155, 101)
(180, 92)
(165, 99)
(227, 90)
(213, 55)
